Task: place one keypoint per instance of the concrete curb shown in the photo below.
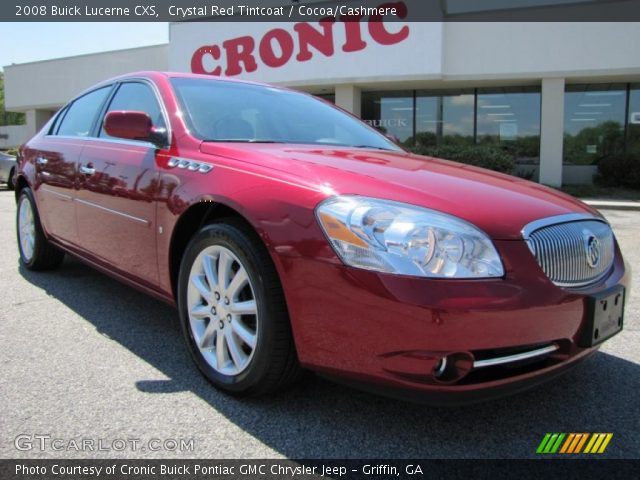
(612, 204)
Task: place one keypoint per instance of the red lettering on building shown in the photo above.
(353, 34)
(277, 46)
(378, 29)
(240, 50)
(197, 60)
(308, 36)
(283, 40)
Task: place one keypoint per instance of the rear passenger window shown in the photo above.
(56, 122)
(81, 113)
(139, 97)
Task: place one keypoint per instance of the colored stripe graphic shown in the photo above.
(593, 439)
(573, 443)
(556, 445)
(543, 443)
(567, 443)
(550, 443)
(581, 443)
(605, 442)
(598, 443)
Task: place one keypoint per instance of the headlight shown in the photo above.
(398, 238)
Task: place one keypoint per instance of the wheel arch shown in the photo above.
(191, 221)
(19, 185)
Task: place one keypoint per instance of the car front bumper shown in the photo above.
(387, 332)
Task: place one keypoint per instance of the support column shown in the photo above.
(552, 131)
(36, 120)
(348, 97)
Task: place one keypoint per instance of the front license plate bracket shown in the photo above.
(605, 317)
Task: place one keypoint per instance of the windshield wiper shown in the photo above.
(372, 147)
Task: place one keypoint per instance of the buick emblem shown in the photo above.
(591, 248)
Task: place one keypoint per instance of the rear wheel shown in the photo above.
(233, 313)
(36, 252)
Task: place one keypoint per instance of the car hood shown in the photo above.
(501, 205)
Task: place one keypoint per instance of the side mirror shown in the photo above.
(132, 125)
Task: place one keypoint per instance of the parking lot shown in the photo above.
(84, 357)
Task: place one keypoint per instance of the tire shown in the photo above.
(36, 252)
(10, 184)
(240, 338)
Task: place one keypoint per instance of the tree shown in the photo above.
(8, 118)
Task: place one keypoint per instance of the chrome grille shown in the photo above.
(565, 247)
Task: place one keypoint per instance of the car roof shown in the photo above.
(150, 74)
(156, 75)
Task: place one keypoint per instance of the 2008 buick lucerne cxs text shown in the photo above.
(291, 235)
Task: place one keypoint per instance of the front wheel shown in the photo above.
(36, 252)
(10, 183)
(233, 313)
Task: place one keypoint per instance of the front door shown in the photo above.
(118, 182)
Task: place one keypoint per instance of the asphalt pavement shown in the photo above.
(84, 358)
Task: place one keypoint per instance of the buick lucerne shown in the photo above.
(290, 235)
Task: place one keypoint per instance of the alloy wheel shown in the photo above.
(223, 311)
(26, 228)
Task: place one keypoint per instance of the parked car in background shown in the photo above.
(7, 169)
(290, 234)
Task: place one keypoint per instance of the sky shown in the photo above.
(30, 42)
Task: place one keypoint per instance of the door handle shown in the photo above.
(41, 161)
(87, 170)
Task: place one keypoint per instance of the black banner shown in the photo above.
(313, 469)
(311, 10)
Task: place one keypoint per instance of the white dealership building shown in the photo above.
(558, 95)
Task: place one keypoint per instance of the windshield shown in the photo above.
(220, 111)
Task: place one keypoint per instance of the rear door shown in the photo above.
(56, 164)
(118, 182)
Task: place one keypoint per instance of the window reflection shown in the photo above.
(506, 117)
(390, 112)
(633, 134)
(510, 118)
(594, 121)
(444, 118)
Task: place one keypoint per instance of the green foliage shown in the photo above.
(522, 149)
(8, 118)
(621, 170)
(485, 156)
(608, 137)
(430, 139)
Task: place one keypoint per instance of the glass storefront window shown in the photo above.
(444, 118)
(633, 134)
(390, 112)
(510, 118)
(594, 122)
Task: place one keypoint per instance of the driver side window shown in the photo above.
(136, 96)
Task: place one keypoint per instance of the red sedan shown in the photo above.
(291, 235)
